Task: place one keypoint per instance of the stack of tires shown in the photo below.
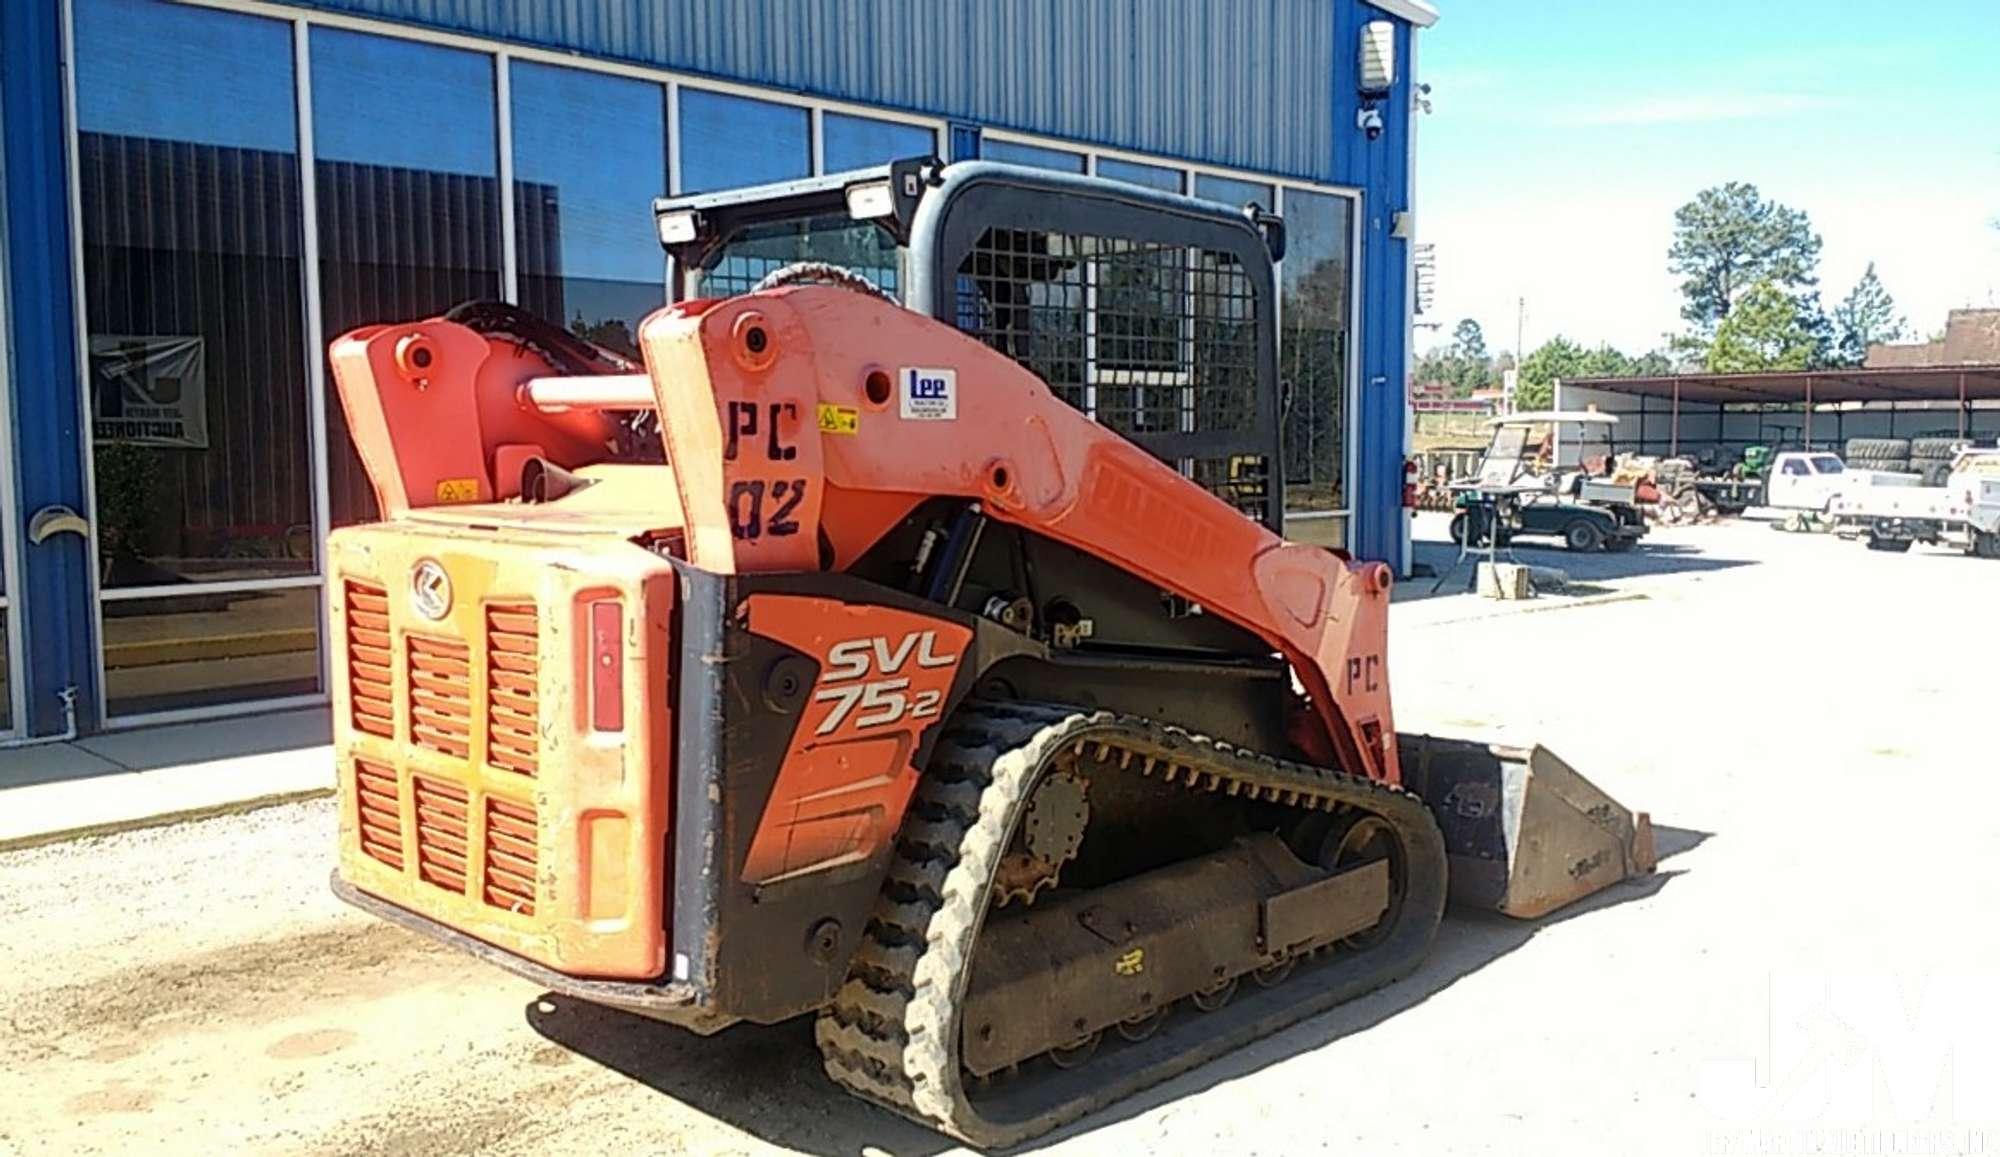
(1891, 454)
(1932, 456)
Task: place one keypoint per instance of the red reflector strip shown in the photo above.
(607, 666)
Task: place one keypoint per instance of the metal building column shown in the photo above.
(54, 613)
(1674, 439)
(964, 143)
(1379, 167)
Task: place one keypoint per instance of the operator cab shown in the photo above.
(1151, 312)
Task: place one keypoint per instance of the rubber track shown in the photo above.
(890, 1033)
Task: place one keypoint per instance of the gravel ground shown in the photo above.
(1809, 723)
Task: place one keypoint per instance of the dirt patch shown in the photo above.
(258, 982)
(456, 1121)
(317, 1043)
(116, 1097)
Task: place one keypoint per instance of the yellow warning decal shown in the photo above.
(839, 419)
(1130, 964)
(458, 490)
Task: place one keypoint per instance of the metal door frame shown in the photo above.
(10, 505)
(1190, 172)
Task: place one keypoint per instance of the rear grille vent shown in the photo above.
(379, 807)
(440, 695)
(510, 855)
(369, 682)
(513, 635)
(442, 826)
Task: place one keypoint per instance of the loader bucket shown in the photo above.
(1524, 832)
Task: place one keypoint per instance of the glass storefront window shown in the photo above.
(1134, 173)
(584, 242)
(1231, 191)
(851, 142)
(1034, 156)
(731, 141)
(196, 650)
(194, 294)
(1315, 286)
(409, 200)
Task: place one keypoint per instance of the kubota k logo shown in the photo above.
(430, 590)
(878, 702)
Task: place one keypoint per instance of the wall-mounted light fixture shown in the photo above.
(1378, 58)
(1375, 66)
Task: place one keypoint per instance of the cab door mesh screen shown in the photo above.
(1157, 341)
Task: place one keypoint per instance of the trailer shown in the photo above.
(1694, 487)
(1962, 513)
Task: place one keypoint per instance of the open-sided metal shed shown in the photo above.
(1684, 413)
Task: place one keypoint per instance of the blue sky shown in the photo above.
(1566, 132)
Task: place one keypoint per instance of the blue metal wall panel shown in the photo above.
(52, 607)
(1244, 83)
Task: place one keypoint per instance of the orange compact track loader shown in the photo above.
(906, 640)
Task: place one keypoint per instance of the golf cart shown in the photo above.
(1519, 491)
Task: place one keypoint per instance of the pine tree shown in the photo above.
(1728, 239)
(1866, 317)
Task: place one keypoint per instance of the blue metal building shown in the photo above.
(199, 194)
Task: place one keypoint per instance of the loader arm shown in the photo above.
(742, 385)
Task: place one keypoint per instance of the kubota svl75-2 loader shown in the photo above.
(923, 658)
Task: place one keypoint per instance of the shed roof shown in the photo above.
(1900, 384)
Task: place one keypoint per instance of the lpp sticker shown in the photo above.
(929, 395)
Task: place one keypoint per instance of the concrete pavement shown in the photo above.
(126, 779)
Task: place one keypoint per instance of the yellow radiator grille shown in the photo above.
(510, 855)
(513, 637)
(370, 683)
(465, 839)
(442, 835)
(440, 695)
(379, 808)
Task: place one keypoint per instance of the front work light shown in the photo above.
(870, 201)
(679, 227)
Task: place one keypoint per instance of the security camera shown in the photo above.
(1370, 122)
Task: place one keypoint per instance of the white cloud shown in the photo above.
(1694, 108)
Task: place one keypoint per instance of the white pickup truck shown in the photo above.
(1964, 512)
(1815, 480)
